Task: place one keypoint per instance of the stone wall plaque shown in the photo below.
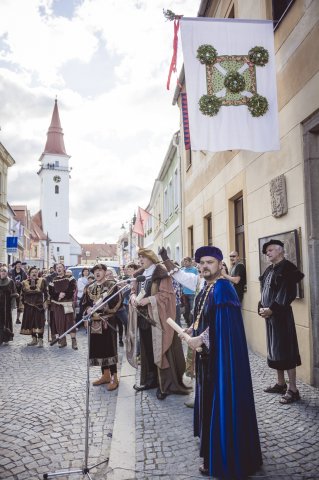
(278, 196)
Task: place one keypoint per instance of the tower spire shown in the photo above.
(55, 142)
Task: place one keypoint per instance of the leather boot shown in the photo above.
(62, 342)
(33, 342)
(74, 344)
(40, 343)
(113, 385)
(105, 378)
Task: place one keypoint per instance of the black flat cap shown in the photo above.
(272, 241)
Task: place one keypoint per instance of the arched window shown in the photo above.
(56, 188)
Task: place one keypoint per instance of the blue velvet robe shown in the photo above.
(224, 413)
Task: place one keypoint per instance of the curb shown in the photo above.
(122, 455)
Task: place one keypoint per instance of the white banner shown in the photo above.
(231, 84)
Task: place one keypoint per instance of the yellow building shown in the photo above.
(6, 161)
(237, 198)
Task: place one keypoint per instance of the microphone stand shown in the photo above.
(85, 470)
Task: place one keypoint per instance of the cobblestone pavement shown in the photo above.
(42, 410)
(166, 448)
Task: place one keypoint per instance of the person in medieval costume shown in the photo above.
(278, 290)
(8, 296)
(34, 295)
(61, 293)
(103, 338)
(18, 275)
(152, 302)
(224, 411)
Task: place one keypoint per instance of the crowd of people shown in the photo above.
(205, 298)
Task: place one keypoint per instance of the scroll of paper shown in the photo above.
(181, 332)
(140, 295)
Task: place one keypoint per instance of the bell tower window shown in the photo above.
(56, 188)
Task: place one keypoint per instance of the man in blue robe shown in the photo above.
(224, 413)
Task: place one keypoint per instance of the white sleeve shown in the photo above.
(187, 279)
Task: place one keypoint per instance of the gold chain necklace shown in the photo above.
(209, 288)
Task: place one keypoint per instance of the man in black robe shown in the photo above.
(8, 296)
(278, 291)
(18, 275)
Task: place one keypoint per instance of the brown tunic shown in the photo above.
(62, 311)
(33, 296)
(103, 338)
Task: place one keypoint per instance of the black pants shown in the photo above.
(148, 367)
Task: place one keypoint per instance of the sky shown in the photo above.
(107, 61)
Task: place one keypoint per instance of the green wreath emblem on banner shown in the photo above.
(231, 80)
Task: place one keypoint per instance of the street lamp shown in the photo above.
(132, 223)
(128, 240)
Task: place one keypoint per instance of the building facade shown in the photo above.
(93, 253)
(172, 208)
(6, 161)
(235, 199)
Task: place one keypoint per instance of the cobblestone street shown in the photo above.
(289, 434)
(43, 411)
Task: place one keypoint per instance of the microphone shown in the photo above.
(125, 282)
(140, 278)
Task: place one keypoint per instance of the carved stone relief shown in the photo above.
(278, 196)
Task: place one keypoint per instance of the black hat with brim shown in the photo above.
(272, 241)
(99, 266)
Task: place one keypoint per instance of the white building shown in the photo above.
(54, 175)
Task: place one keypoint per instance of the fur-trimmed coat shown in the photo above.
(162, 306)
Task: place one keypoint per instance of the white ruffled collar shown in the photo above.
(148, 272)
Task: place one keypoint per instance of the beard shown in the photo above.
(209, 275)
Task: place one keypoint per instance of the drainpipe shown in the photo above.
(176, 143)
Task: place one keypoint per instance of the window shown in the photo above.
(190, 232)
(58, 249)
(239, 227)
(56, 163)
(176, 189)
(36, 251)
(56, 188)
(56, 214)
(279, 10)
(208, 231)
(149, 225)
(170, 198)
(165, 205)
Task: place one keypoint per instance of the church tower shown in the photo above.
(54, 175)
